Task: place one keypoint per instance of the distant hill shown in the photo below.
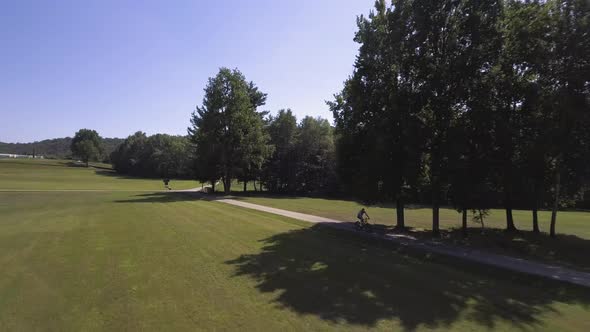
(53, 148)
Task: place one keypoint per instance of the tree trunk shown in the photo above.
(227, 185)
(535, 209)
(509, 219)
(435, 180)
(535, 220)
(555, 202)
(483, 226)
(245, 184)
(435, 209)
(464, 222)
(213, 186)
(435, 220)
(255, 189)
(399, 208)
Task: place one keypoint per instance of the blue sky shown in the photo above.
(123, 66)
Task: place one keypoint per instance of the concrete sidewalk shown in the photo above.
(501, 261)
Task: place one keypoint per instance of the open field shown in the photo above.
(29, 174)
(570, 248)
(163, 261)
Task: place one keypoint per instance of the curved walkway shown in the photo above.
(501, 261)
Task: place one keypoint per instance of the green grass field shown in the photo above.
(123, 260)
(30, 174)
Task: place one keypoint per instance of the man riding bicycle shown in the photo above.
(361, 216)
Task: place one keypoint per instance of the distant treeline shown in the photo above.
(58, 148)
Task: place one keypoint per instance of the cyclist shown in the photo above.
(361, 216)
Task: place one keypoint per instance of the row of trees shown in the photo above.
(233, 140)
(476, 103)
(303, 159)
(158, 155)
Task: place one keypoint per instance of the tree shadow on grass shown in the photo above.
(340, 277)
(114, 174)
(165, 197)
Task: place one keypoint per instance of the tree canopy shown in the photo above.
(87, 145)
(159, 155)
(227, 130)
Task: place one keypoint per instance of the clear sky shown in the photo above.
(122, 66)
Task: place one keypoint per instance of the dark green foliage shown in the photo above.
(278, 171)
(377, 121)
(477, 103)
(314, 155)
(303, 155)
(87, 145)
(158, 155)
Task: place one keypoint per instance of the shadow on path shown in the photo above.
(566, 250)
(341, 277)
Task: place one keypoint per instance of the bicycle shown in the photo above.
(363, 225)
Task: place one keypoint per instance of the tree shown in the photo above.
(303, 157)
(452, 47)
(279, 169)
(380, 147)
(471, 182)
(227, 131)
(87, 145)
(526, 49)
(314, 156)
(568, 73)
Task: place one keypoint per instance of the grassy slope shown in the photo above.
(24, 174)
(135, 261)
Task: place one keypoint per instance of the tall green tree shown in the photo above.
(478, 44)
(87, 145)
(313, 156)
(227, 131)
(451, 46)
(377, 122)
(525, 54)
(303, 158)
(569, 96)
(279, 169)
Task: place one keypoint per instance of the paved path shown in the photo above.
(501, 261)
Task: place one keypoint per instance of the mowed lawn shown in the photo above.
(110, 261)
(35, 174)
